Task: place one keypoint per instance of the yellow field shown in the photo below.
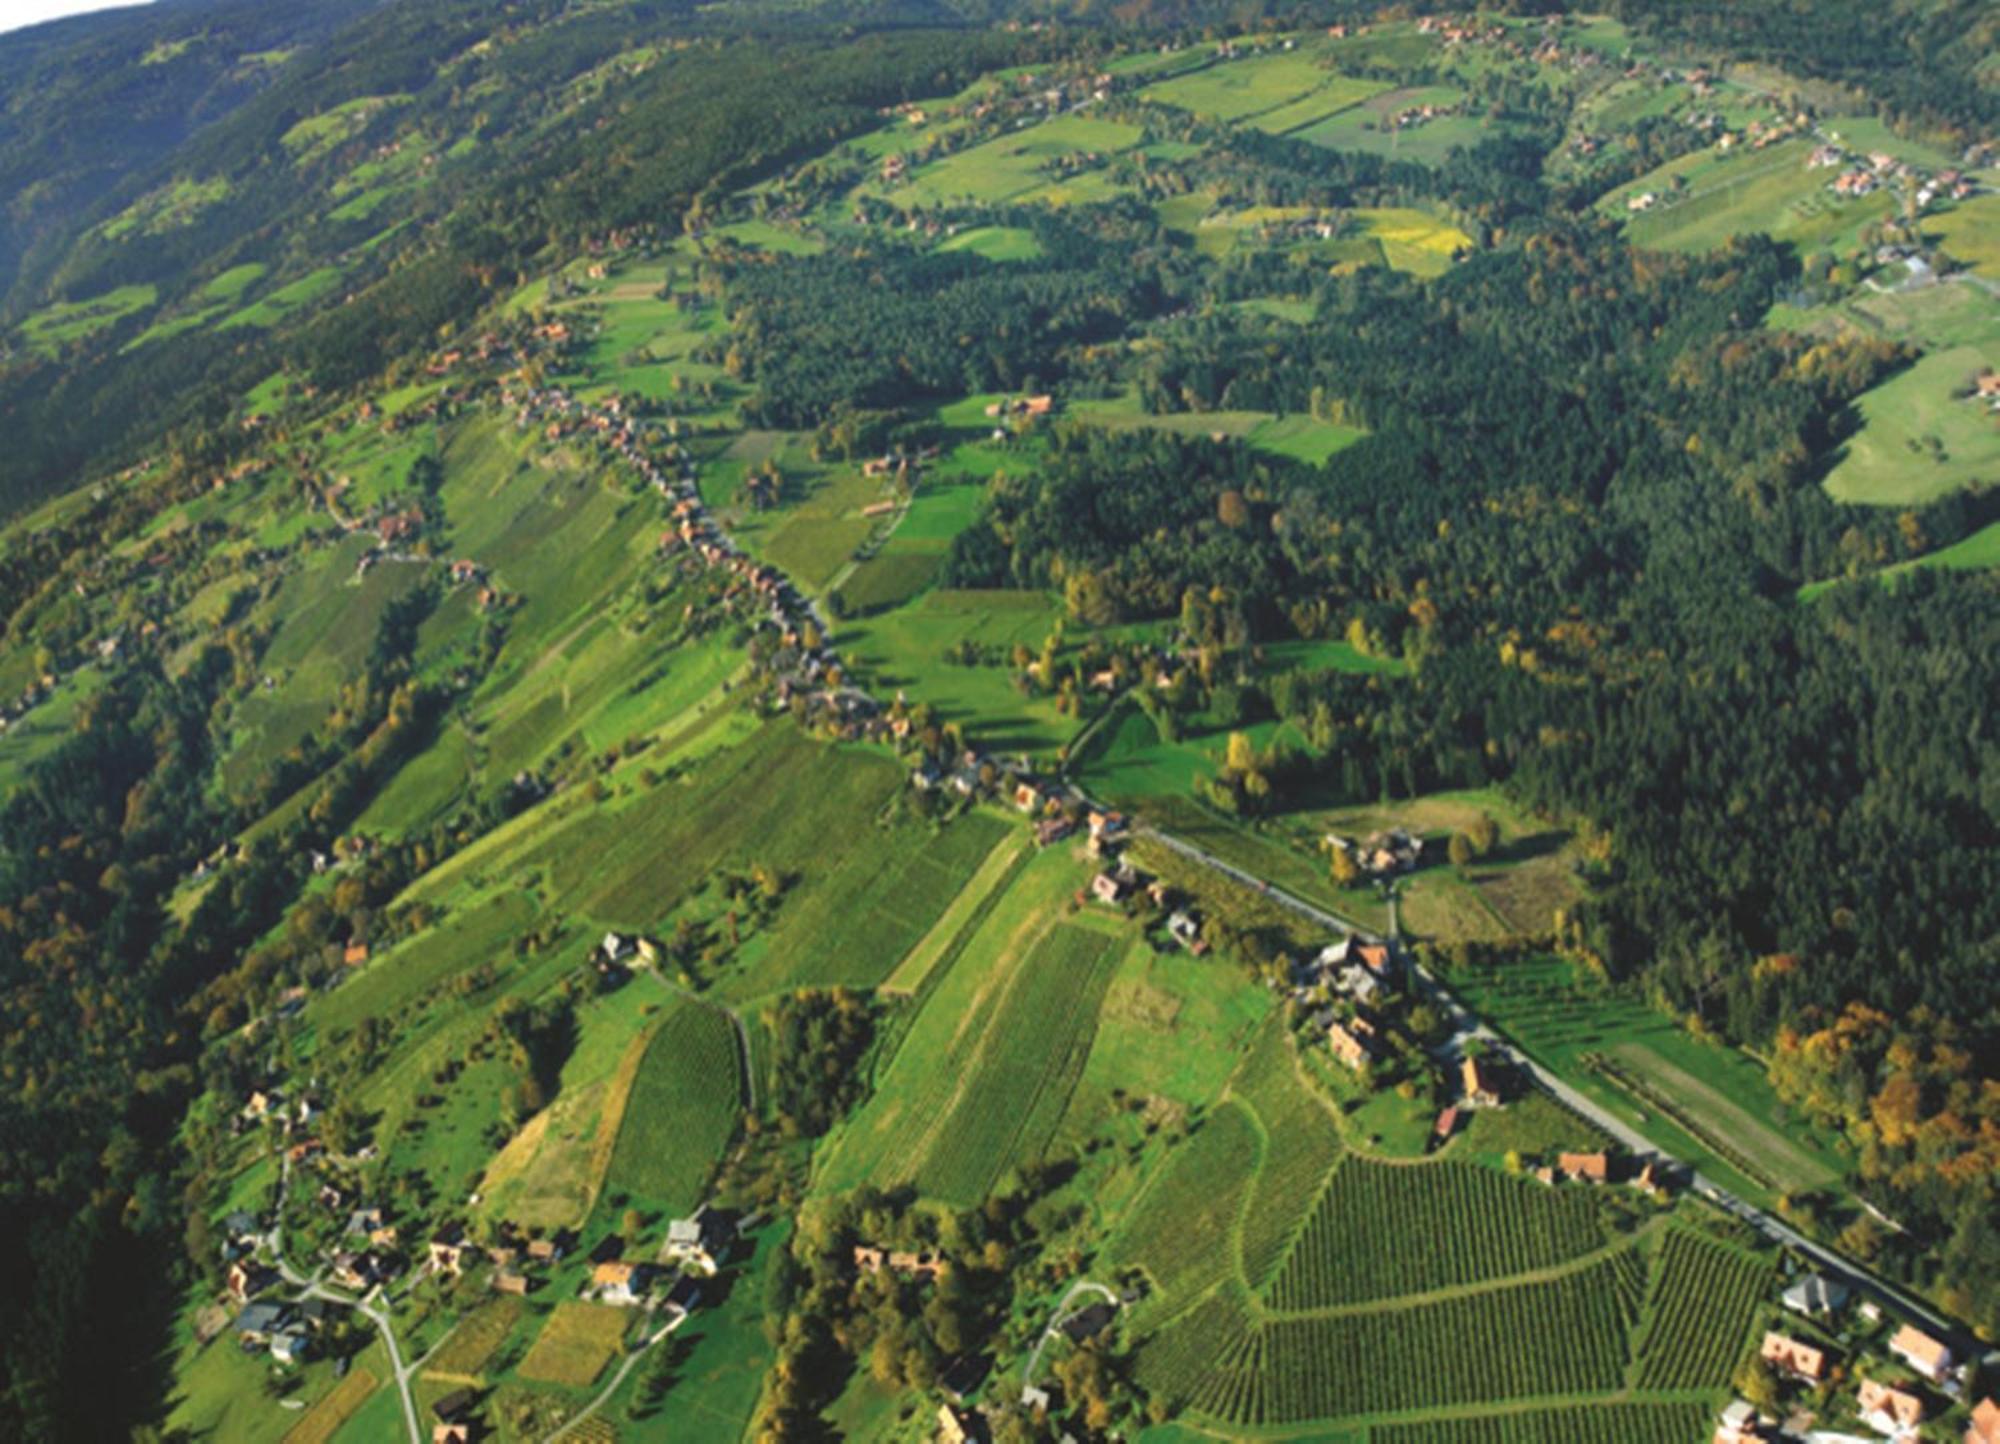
(1414, 241)
(474, 1341)
(575, 1345)
(335, 1408)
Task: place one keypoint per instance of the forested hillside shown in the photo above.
(960, 631)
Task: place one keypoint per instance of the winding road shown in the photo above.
(313, 1288)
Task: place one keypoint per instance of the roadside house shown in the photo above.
(1482, 1084)
(1594, 1167)
(1816, 1296)
(1921, 1352)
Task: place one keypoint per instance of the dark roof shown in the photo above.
(1089, 1321)
(453, 1405)
(263, 1317)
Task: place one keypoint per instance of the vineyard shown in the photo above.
(683, 1110)
(1559, 1336)
(1382, 1230)
(1705, 1294)
(1013, 1095)
(1637, 1423)
(1179, 1230)
(1301, 1146)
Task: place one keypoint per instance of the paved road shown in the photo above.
(313, 1287)
(1467, 1025)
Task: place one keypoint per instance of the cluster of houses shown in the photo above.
(1901, 1387)
(1862, 175)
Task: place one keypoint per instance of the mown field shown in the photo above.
(985, 1072)
(1922, 436)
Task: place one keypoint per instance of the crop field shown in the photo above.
(1233, 89)
(323, 1420)
(1340, 92)
(962, 990)
(1412, 240)
(1922, 437)
(996, 243)
(65, 321)
(955, 926)
(1704, 1299)
(575, 1345)
(855, 925)
(1558, 1336)
(478, 1337)
(1301, 1147)
(1011, 165)
(391, 984)
(905, 649)
(1573, 1423)
(1297, 436)
(1197, 1195)
(286, 299)
(1015, 1087)
(779, 799)
(890, 577)
(813, 539)
(684, 1109)
(1476, 1225)
(1769, 190)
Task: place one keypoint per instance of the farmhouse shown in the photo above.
(1186, 930)
(1110, 887)
(1446, 1125)
(620, 1283)
(1595, 1167)
(248, 1278)
(699, 1239)
(1482, 1084)
(1888, 1410)
(447, 1251)
(1921, 1352)
(258, 1323)
(1790, 1357)
(1352, 1043)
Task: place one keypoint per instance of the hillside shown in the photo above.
(792, 722)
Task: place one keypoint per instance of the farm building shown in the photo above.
(1594, 1167)
(1482, 1084)
(1110, 887)
(620, 1283)
(1352, 1042)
